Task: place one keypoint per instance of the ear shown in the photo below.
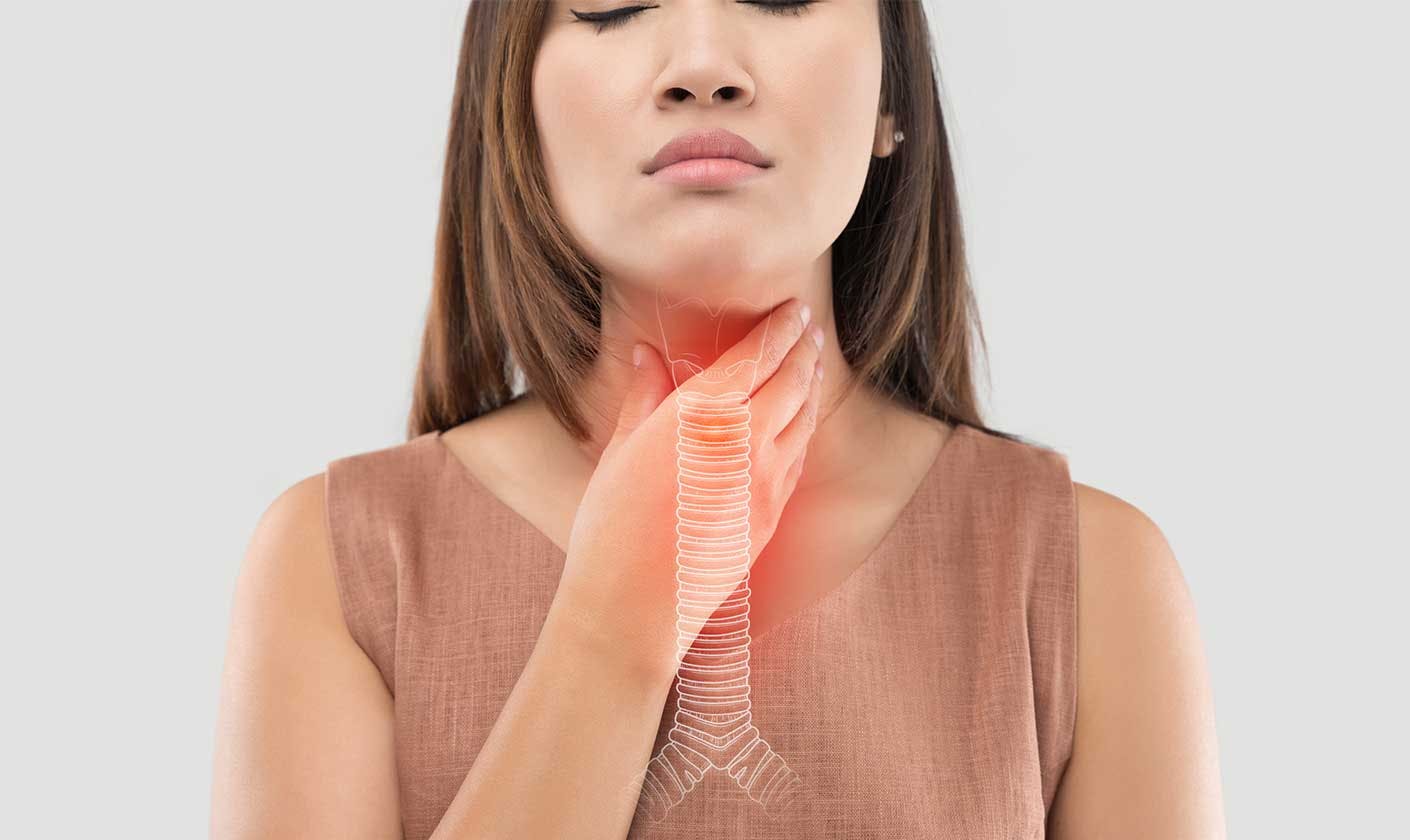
(883, 144)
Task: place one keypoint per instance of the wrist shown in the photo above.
(637, 653)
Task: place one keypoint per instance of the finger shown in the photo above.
(793, 440)
(778, 400)
(649, 386)
(753, 359)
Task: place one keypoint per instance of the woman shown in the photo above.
(481, 632)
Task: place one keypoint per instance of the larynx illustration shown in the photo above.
(713, 728)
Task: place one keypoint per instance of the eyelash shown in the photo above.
(616, 17)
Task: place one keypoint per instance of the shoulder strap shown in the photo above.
(373, 504)
(1029, 506)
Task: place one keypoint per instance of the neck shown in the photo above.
(702, 333)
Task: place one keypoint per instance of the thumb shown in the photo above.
(650, 384)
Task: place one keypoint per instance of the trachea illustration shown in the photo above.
(713, 728)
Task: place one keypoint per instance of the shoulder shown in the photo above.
(1126, 566)
(1133, 600)
(298, 695)
(299, 559)
(326, 553)
(1135, 610)
(287, 561)
(1143, 754)
(285, 588)
(292, 527)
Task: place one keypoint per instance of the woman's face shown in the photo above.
(800, 82)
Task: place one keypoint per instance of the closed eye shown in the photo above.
(616, 17)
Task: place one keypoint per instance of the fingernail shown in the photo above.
(805, 313)
(817, 336)
(818, 370)
(636, 356)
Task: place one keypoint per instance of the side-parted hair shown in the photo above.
(511, 290)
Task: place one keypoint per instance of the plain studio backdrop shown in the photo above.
(1187, 231)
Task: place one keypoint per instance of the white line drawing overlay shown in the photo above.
(713, 728)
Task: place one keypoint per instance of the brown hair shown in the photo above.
(511, 289)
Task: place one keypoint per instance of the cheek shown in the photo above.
(842, 94)
(554, 114)
(833, 92)
(580, 141)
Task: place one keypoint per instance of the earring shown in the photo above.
(898, 136)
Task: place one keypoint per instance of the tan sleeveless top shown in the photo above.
(931, 694)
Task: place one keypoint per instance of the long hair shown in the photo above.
(515, 303)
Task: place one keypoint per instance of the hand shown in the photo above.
(619, 578)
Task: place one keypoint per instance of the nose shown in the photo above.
(720, 93)
(705, 69)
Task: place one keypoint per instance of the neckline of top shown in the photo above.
(929, 483)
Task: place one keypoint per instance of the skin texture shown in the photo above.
(304, 744)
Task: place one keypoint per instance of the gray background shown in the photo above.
(1187, 227)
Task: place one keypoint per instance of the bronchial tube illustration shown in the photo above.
(713, 727)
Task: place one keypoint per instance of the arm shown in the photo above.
(1144, 756)
(305, 740)
(565, 756)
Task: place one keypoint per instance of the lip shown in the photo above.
(712, 155)
(708, 172)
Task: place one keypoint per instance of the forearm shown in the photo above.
(563, 758)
